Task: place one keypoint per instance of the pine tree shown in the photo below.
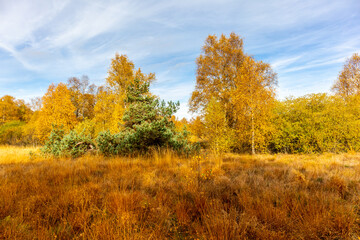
(147, 124)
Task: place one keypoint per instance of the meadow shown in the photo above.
(167, 197)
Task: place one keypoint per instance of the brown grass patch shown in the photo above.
(165, 197)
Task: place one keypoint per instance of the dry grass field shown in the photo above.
(13, 154)
(166, 197)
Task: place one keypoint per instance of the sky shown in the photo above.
(48, 41)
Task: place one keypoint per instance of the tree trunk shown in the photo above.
(252, 134)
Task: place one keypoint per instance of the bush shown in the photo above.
(71, 144)
(12, 133)
(316, 123)
(106, 143)
(75, 145)
(52, 145)
(87, 127)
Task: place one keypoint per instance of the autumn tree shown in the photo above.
(8, 109)
(57, 109)
(35, 104)
(180, 124)
(253, 98)
(217, 131)
(348, 82)
(122, 74)
(197, 129)
(110, 104)
(30, 133)
(12, 109)
(82, 96)
(107, 110)
(14, 115)
(217, 68)
(243, 86)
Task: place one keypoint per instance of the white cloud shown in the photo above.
(284, 62)
(315, 64)
(56, 39)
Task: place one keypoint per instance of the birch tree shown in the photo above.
(253, 98)
(243, 86)
(348, 82)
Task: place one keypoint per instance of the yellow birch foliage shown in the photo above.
(197, 129)
(244, 88)
(8, 109)
(12, 109)
(253, 99)
(108, 110)
(122, 73)
(57, 109)
(348, 82)
(217, 132)
(24, 110)
(217, 69)
(316, 123)
(180, 124)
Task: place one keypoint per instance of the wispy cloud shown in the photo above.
(283, 63)
(44, 41)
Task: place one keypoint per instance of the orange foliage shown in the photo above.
(12, 109)
(197, 128)
(217, 69)
(57, 109)
(243, 86)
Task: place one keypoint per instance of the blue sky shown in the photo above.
(43, 41)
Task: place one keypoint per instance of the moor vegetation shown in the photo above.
(113, 162)
(167, 197)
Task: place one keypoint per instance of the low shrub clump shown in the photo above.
(71, 144)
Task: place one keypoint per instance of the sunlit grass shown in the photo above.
(14, 154)
(167, 197)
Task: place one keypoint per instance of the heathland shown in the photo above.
(113, 161)
(165, 196)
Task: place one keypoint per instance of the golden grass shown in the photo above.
(165, 197)
(14, 154)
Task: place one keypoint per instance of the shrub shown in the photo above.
(52, 145)
(75, 145)
(71, 144)
(106, 143)
(12, 133)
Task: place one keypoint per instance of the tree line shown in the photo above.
(234, 100)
